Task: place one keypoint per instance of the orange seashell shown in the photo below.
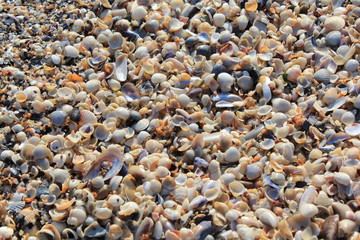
(73, 77)
(64, 204)
(251, 6)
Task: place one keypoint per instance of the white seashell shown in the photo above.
(236, 188)
(308, 210)
(175, 25)
(267, 144)
(267, 217)
(138, 13)
(352, 65)
(71, 51)
(334, 23)
(323, 75)
(281, 105)
(353, 129)
(115, 40)
(87, 117)
(121, 69)
(232, 155)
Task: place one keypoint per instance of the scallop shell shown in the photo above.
(87, 117)
(121, 68)
(86, 130)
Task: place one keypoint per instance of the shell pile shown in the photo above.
(179, 119)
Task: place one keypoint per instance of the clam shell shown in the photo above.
(58, 117)
(130, 92)
(353, 129)
(121, 69)
(334, 23)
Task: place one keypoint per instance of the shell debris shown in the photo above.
(179, 119)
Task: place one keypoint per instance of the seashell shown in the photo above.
(58, 215)
(94, 230)
(175, 25)
(236, 188)
(65, 93)
(197, 202)
(242, 22)
(86, 130)
(87, 117)
(115, 40)
(69, 234)
(70, 51)
(64, 204)
(219, 19)
(342, 178)
(102, 133)
(267, 217)
(92, 86)
(308, 210)
(20, 96)
(323, 75)
(145, 227)
(141, 125)
(138, 13)
(281, 105)
(114, 156)
(245, 83)
(204, 50)
(115, 182)
(102, 213)
(351, 65)
(330, 96)
(333, 38)
(347, 118)
(253, 172)
(330, 227)
(6, 232)
(16, 207)
(130, 92)
(128, 208)
(251, 6)
(41, 152)
(298, 221)
(267, 144)
(232, 155)
(353, 129)
(334, 23)
(121, 69)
